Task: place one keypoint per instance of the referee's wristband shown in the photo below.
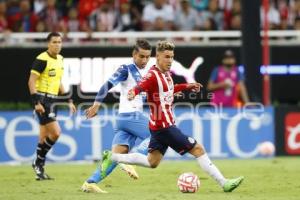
(35, 98)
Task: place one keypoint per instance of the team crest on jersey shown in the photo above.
(52, 72)
(168, 98)
(148, 76)
(191, 140)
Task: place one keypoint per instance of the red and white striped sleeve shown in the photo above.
(147, 84)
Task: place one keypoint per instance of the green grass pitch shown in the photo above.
(265, 179)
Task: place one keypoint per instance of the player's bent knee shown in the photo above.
(153, 163)
(198, 150)
(55, 135)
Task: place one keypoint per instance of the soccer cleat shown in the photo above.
(91, 188)
(106, 162)
(231, 184)
(130, 170)
(40, 172)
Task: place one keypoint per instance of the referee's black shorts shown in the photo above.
(170, 137)
(48, 101)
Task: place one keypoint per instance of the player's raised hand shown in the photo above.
(39, 108)
(92, 111)
(130, 95)
(195, 87)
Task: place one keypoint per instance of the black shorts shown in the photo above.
(50, 110)
(170, 137)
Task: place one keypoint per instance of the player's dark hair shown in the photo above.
(52, 34)
(142, 44)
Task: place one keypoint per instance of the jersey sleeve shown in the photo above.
(147, 84)
(38, 66)
(180, 87)
(120, 75)
(103, 91)
(241, 75)
(214, 75)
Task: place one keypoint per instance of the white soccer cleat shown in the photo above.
(91, 188)
(130, 170)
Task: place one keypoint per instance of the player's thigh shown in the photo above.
(43, 133)
(123, 138)
(179, 141)
(157, 144)
(53, 130)
(136, 124)
(50, 112)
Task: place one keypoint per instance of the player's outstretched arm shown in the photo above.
(120, 75)
(92, 110)
(195, 87)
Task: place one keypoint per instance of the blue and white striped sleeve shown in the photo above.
(120, 75)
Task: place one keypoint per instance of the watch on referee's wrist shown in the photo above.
(35, 98)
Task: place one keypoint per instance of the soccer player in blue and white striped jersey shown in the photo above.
(131, 122)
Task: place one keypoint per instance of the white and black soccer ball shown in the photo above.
(188, 182)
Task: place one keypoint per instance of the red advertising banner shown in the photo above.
(292, 132)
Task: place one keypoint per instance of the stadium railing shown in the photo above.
(277, 37)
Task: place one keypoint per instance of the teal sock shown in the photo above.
(96, 176)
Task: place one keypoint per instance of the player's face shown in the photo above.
(141, 57)
(229, 61)
(54, 45)
(164, 60)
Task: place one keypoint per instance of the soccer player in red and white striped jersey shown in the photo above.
(160, 91)
(158, 85)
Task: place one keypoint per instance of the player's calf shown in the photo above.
(197, 151)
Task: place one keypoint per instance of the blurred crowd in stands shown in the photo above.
(137, 15)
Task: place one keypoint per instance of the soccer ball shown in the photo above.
(266, 148)
(188, 182)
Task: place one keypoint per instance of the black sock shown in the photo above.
(48, 145)
(42, 150)
(39, 152)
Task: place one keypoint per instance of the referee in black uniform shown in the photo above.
(45, 86)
